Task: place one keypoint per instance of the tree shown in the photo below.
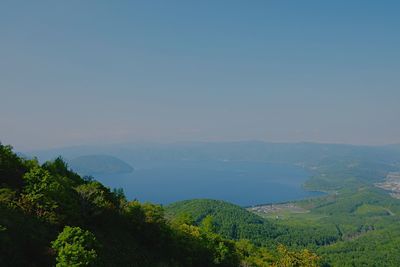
(252, 256)
(95, 199)
(75, 247)
(207, 224)
(133, 210)
(11, 168)
(303, 258)
(59, 167)
(154, 214)
(39, 194)
(183, 218)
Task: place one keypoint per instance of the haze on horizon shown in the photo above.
(91, 72)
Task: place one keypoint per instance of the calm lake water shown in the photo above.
(242, 183)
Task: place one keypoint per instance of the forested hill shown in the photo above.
(99, 164)
(49, 216)
(353, 228)
(230, 221)
(237, 223)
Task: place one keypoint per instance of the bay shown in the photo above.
(239, 182)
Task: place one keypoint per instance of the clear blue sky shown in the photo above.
(85, 72)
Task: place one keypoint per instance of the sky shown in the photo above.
(97, 72)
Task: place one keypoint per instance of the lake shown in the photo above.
(241, 183)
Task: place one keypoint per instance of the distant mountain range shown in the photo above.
(296, 153)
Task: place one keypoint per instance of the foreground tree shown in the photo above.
(304, 258)
(75, 247)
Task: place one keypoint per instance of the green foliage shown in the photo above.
(375, 248)
(303, 258)
(48, 195)
(209, 246)
(362, 223)
(251, 255)
(7, 197)
(183, 218)
(154, 213)
(351, 170)
(134, 211)
(75, 247)
(59, 167)
(96, 198)
(357, 226)
(207, 224)
(51, 197)
(229, 220)
(39, 193)
(24, 239)
(12, 168)
(39, 181)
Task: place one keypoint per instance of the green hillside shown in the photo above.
(356, 226)
(50, 216)
(235, 222)
(364, 225)
(231, 221)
